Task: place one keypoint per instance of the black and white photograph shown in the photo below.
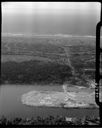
(48, 54)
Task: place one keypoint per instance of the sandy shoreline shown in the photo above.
(83, 98)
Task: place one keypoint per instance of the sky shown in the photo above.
(69, 18)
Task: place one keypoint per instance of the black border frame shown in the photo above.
(97, 63)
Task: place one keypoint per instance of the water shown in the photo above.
(11, 105)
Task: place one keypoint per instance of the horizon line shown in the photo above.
(35, 34)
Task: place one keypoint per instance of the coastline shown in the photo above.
(59, 99)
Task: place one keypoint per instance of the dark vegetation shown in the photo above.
(52, 60)
(58, 120)
(34, 71)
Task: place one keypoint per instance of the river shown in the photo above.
(11, 105)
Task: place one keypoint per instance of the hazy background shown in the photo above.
(50, 17)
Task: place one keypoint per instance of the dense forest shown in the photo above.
(34, 71)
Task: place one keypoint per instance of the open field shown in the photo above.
(70, 59)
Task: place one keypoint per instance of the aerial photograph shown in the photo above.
(48, 54)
